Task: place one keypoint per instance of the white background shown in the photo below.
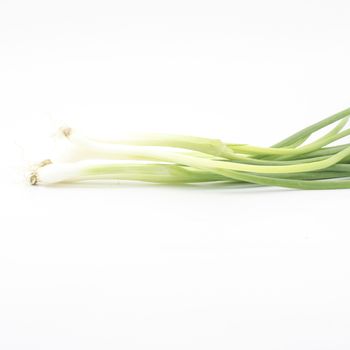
(132, 266)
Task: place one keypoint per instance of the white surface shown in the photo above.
(153, 267)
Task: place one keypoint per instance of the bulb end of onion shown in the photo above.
(66, 131)
(33, 179)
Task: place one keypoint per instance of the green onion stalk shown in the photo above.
(176, 159)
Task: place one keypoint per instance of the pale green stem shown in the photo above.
(213, 147)
(109, 152)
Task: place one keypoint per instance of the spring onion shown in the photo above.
(176, 159)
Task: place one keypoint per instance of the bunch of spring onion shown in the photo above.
(293, 162)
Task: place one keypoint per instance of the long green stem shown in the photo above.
(289, 183)
(209, 146)
(332, 136)
(157, 173)
(217, 148)
(326, 151)
(312, 128)
(115, 152)
(51, 173)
